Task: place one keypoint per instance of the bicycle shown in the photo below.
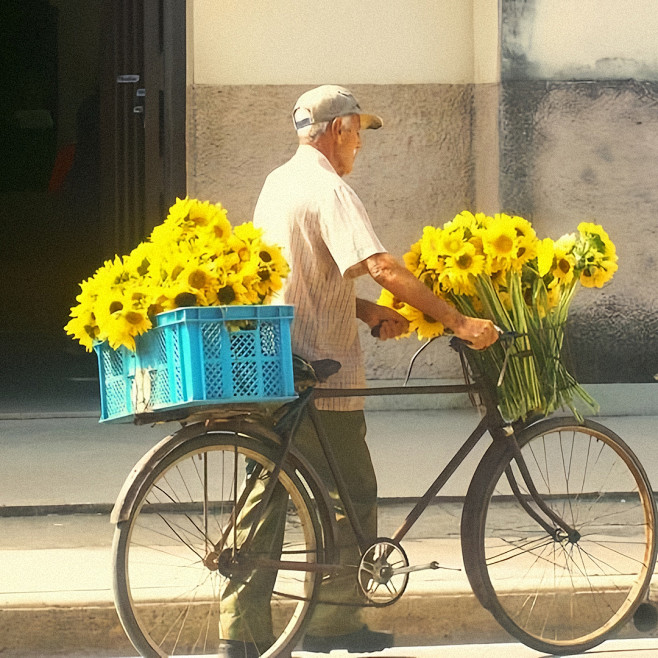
(553, 545)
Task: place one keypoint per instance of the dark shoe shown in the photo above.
(237, 649)
(363, 640)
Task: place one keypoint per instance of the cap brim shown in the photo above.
(371, 121)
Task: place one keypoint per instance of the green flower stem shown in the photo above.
(535, 379)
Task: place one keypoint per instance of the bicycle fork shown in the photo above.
(559, 529)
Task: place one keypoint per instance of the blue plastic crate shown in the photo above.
(116, 371)
(200, 355)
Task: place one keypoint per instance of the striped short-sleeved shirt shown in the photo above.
(324, 230)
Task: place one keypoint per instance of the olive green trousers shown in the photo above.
(245, 605)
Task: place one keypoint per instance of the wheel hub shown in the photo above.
(564, 537)
(227, 563)
(211, 561)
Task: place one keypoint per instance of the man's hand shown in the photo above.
(477, 332)
(383, 321)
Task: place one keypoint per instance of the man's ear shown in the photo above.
(336, 126)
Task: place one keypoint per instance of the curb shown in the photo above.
(416, 620)
(65, 509)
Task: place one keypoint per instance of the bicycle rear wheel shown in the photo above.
(554, 593)
(179, 557)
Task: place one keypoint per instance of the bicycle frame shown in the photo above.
(258, 446)
(491, 422)
(447, 472)
(286, 424)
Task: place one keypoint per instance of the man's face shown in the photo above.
(347, 144)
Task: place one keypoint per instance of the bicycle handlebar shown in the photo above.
(504, 336)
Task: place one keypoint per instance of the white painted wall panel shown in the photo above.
(365, 42)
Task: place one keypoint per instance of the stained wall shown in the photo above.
(415, 64)
(518, 105)
(579, 141)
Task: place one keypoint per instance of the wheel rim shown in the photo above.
(175, 585)
(560, 591)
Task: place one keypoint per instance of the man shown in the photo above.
(306, 207)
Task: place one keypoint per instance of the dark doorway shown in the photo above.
(90, 162)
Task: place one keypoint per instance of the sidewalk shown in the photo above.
(55, 581)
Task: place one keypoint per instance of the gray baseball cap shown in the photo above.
(326, 103)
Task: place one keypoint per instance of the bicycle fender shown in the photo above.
(325, 506)
(144, 468)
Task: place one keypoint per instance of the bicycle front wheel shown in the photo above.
(557, 593)
(185, 575)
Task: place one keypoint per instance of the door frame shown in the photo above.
(143, 116)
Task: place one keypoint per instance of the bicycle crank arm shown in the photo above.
(421, 567)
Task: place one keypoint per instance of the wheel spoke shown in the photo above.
(184, 580)
(563, 592)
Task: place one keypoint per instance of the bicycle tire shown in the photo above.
(559, 595)
(168, 599)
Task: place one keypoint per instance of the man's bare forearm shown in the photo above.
(390, 274)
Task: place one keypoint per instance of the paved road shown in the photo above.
(612, 649)
(51, 461)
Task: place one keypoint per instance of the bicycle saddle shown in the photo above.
(311, 373)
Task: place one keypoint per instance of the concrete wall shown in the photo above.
(535, 118)
(417, 170)
(579, 141)
(415, 64)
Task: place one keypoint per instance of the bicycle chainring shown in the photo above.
(378, 581)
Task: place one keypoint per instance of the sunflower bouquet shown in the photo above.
(194, 258)
(497, 268)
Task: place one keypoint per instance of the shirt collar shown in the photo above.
(310, 154)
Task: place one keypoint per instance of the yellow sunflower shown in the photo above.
(500, 242)
(247, 232)
(271, 257)
(468, 221)
(523, 227)
(461, 270)
(194, 257)
(598, 237)
(545, 255)
(271, 269)
(118, 332)
(425, 326)
(138, 321)
(170, 232)
(111, 301)
(451, 243)
(171, 264)
(137, 263)
(387, 299)
(526, 246)
(179, 210)
(526, 250)
(412, 259)
(564, 261)
(597, 275)
(235, 292)
(200, 275)
(200, 214)
(430, 247)
(82, 327)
